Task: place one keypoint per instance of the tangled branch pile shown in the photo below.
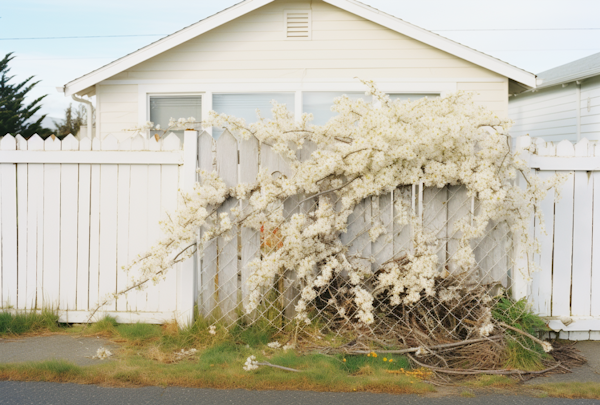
(366, 150)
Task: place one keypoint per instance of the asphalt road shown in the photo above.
(25, 393)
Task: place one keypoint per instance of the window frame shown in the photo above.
(206, 89)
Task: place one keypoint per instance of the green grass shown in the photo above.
(521, 352)
(588, 390)
(28, 322)
(138, 332)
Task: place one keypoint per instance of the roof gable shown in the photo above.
(247, 6)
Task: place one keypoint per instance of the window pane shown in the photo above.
(245, 105)
(163, 108)
(411, 96)
(319, 103)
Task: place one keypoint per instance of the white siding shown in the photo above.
(343, 46)
(549, 113)
(590, 109)
(552, 113)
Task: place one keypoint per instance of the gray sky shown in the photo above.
(534, 35)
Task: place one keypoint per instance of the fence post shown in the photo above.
(186, 272)
(521, 274)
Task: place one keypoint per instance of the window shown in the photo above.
(411, 96)
(245, 105)
(319, 103)
(163, 108)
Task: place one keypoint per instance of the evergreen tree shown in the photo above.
(15, 115)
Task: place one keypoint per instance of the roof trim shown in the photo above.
(352, 6)
(163, 45)
(437, 41)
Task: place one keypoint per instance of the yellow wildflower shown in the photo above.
(344, 360)
(385, 359)
(374, 354)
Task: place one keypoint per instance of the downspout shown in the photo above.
(90, 111)
(578, 106)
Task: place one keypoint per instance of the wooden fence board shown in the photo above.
(35, 222)
(227, 272)
(250, 239)
(24, 287)
(208, 271)
(69, 179)
(582, 237)
(563, 225)
(51, 259)
(9, 261)
(83, 230)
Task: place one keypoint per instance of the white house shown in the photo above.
(566, 105)
(299, 52)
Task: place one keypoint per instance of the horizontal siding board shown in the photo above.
(308, 64)
(312, 55)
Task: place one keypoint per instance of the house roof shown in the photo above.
(355, 7)
(577, 70)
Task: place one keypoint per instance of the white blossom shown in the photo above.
(250, 364)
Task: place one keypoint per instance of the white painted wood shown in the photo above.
(9, 261)
(186, 271)
(383, 213)
(458, 208)
(69, 193)
(108, 226)
(563, 231)
(435, 217)
(136, 157)
(138, 230)
(83, 230)
(154, 216)
(582, 237)
(35, 222)
(94, 229)
(396, 29)
(402, 233)
(250, 241)
(542, 280)
(207, 277)
(227, 273)
(22, 231)
(595, 280)
(171, 143)
(123, 206)
(51, 277)
(168, 198)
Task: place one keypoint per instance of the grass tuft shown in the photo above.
(139, 332)
(521, 352)
(583, 390)
(28, 322)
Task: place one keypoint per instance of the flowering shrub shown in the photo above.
(366, 150)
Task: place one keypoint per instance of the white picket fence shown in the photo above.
(567, 289)
(73, 213)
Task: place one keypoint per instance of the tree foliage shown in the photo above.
(71, 124)
(15, 114)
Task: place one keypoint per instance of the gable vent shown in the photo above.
(297, 24)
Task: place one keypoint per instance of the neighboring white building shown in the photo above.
(301, 52)
(565, 105)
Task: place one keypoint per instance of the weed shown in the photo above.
(138, 332)
(105, 326)
(586, 390)
(59, 367)
(467, 394)
(28, 322)
(521, 352)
